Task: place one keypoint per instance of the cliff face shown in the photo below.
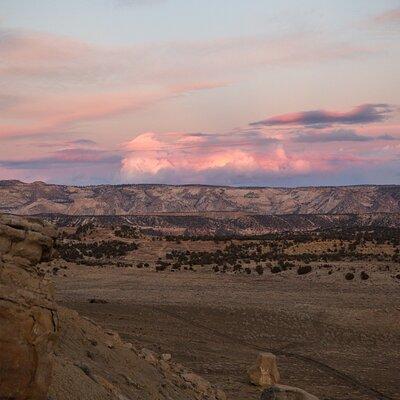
(40, 198)
(28, 314)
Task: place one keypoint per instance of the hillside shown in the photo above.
(40, 198)
(51, 352)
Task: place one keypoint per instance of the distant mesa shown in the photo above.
(41, 198)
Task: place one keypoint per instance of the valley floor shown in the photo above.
(337, 340)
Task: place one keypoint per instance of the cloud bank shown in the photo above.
(252, 155)
(187, 158)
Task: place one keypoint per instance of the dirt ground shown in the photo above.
(336, 339)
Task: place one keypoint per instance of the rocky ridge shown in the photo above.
(40, 198)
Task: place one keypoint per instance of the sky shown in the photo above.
(238, 92)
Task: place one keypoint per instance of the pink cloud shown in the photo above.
(235, 158)
(151, 155)
(55, 83)
(54, 113)
(37, 54)
(35, 47)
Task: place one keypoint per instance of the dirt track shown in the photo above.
(338, 341)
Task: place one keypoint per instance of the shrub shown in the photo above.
(126, 231)
(305, 269)
(104, 249)
(98, 301)
(259, 269)
(364, 276)
(349, 276)
(275, 270)
(176, 267)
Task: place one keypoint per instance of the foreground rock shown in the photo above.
(28, 315)
(264, 372)
(51, 352)
(282, 392)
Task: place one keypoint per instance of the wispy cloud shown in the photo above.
(363, 114)
(62, 158)
(56, 113)
(339, 135)
(83, 142)
(55, 83)
(40, 55)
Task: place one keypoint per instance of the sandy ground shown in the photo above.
(336, 339)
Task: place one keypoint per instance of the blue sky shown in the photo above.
(127, 22)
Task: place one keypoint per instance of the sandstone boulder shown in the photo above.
(264, 372)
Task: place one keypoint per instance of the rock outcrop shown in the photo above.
(28, 314)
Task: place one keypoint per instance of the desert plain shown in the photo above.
(327, 305)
